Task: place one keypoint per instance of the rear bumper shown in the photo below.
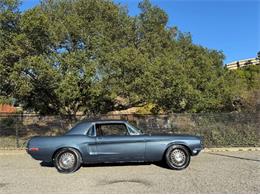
(40, 154)
(34, 155)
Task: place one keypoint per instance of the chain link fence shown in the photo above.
(218, 130)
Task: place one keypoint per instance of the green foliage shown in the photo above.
(9, 37)
(8, 122)
(5, 100)
(250, 75)
(62, 57)
(244, 88)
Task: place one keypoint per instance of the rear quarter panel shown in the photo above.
(48, 145)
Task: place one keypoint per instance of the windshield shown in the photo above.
(134, 130)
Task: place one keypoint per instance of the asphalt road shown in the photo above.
(218, 172)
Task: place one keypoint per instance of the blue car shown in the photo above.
(113, 141)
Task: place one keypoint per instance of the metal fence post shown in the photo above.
(17, 131)
(258, 115)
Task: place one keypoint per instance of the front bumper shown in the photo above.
(199, 147)
(196, 151)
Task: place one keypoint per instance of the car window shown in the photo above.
(133, 130)
(91, 131)
(80, 128)
(111, 129)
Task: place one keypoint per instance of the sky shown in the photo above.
(231, 26)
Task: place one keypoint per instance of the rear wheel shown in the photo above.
(67, 160)
(177, 157)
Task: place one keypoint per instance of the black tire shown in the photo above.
(177, 157)
(67, 160)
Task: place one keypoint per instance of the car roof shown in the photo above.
(103, 121)
(88, 123)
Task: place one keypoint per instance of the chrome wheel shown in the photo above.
(178, 157)
(67, 160)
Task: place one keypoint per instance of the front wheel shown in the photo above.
(177, 157)
(67, 160)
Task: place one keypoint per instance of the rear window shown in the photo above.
(79, 129)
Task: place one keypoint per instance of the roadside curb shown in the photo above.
(12, 149)
(11, 152)
(232, 149)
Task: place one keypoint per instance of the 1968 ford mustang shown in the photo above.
(103, 141)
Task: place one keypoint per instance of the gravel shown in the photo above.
(218, 172)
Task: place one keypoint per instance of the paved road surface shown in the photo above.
(222, 172)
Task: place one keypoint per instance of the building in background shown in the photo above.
(244, 63)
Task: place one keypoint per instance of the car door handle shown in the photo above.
(99, 138)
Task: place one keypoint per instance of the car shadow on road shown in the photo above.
(236, 157)
(116, 164)
(159, 164)
(46, 164)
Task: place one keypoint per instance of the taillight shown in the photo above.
(34, 149)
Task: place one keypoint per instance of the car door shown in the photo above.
(116, 144)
